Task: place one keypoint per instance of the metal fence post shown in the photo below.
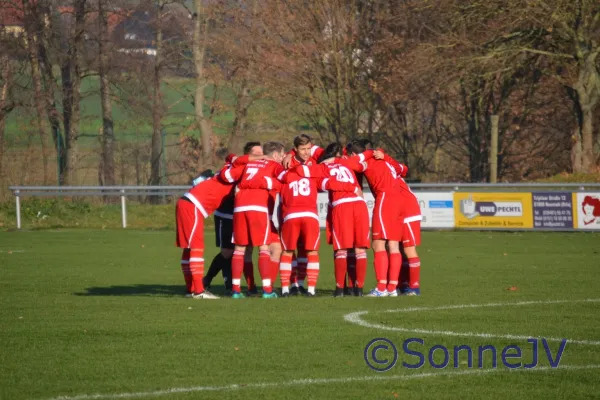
(18, 203)
(123, 209)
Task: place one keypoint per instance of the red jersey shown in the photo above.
(298, 195)
(208, 195)
(336, 172)
(381, 175)
(255, 173)
(225, 209)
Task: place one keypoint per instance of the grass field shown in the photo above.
(88, 314)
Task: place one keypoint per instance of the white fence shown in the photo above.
(537, 206)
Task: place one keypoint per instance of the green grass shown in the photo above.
(101, 311)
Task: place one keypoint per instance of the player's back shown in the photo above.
(247, 199)
(298, 194)
(208, 195)
(381, 177)
(342, 173)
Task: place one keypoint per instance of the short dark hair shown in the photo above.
(301, 140)
(331, 150)
(272, 147)
(249, 145)
(367, 143)
(356, 146)
(222, 153)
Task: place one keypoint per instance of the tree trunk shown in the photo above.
(157, 110)
(238, 134)
(5, 75)
(107, 171)
(588, 94)
(200, 41)
(36, 76)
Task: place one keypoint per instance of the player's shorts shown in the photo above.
(224, 232)
(190, 225)
(303, 232)
(350, 225)
(251, 228)
(411, 235)
(386, 213)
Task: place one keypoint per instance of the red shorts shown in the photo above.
(328, 225)
(190, 226)
(251, 228)
(411, 235)
(386, 213)
(350, 225)
(302, 233)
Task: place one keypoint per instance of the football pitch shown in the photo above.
(90, 314)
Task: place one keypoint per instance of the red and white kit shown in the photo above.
(299, 206)
(251, 215)
(349, 214)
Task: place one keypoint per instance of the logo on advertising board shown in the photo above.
(588, 210)
(493, 210)
(471, 209)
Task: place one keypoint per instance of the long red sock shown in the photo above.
(361, 269)
(274, 271)
(237, 268)
(340, 265)
(414, 265)
(185, 270)
(381, 269)
(312, 272)
(302, 264)
(197, 269)
(264, 268)
(394, 271)
(249, 274)
(351, 270)
(285, 270)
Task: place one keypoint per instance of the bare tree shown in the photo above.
(107, 170)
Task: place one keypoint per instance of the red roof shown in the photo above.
(12, 13)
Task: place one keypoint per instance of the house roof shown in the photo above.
(114, 17)
(12, 13)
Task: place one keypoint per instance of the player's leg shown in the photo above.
(289, 239)
(275, 251)
(411, 240)
(294, 276)
(241, 241)
(381, 259)
(351, 276)
(404, 277)
(187, 275)
(395, 259)
(260, 236)
(249, 271)
(310, 237)
(183, 228)
(360, 216)
(222, 260)
(343, 238)
(302, 264)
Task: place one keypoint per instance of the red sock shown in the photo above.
(394, 271)
(285, 269)
(414, 265)
(264, 268)
(249, 274)
(351, 270)
(361, 269)
(197, 269)
(237, 268)
(312, 272)
(302, 263)
(381, 269)
(185, 270)
(341, 265)
(274, 271)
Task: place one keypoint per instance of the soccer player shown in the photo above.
(191, 210)
(251, 219)
(349, 218)
(301, 222)
(386, 232)
(303, 153)
(223, 217)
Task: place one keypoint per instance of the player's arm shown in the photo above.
(336, 186)
(355, 163)
(265, 182)
(401, 169)
(316, 152)
(312, 171)
(243, 160)
(230, 174)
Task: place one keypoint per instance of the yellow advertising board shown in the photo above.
(493, 210)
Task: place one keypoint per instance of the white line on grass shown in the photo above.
(305, 382)
(356, 318)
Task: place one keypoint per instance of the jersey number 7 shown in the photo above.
(251, 172)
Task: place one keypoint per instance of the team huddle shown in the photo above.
(243, 194)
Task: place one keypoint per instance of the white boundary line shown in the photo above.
(356, 318)
(304, 382)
